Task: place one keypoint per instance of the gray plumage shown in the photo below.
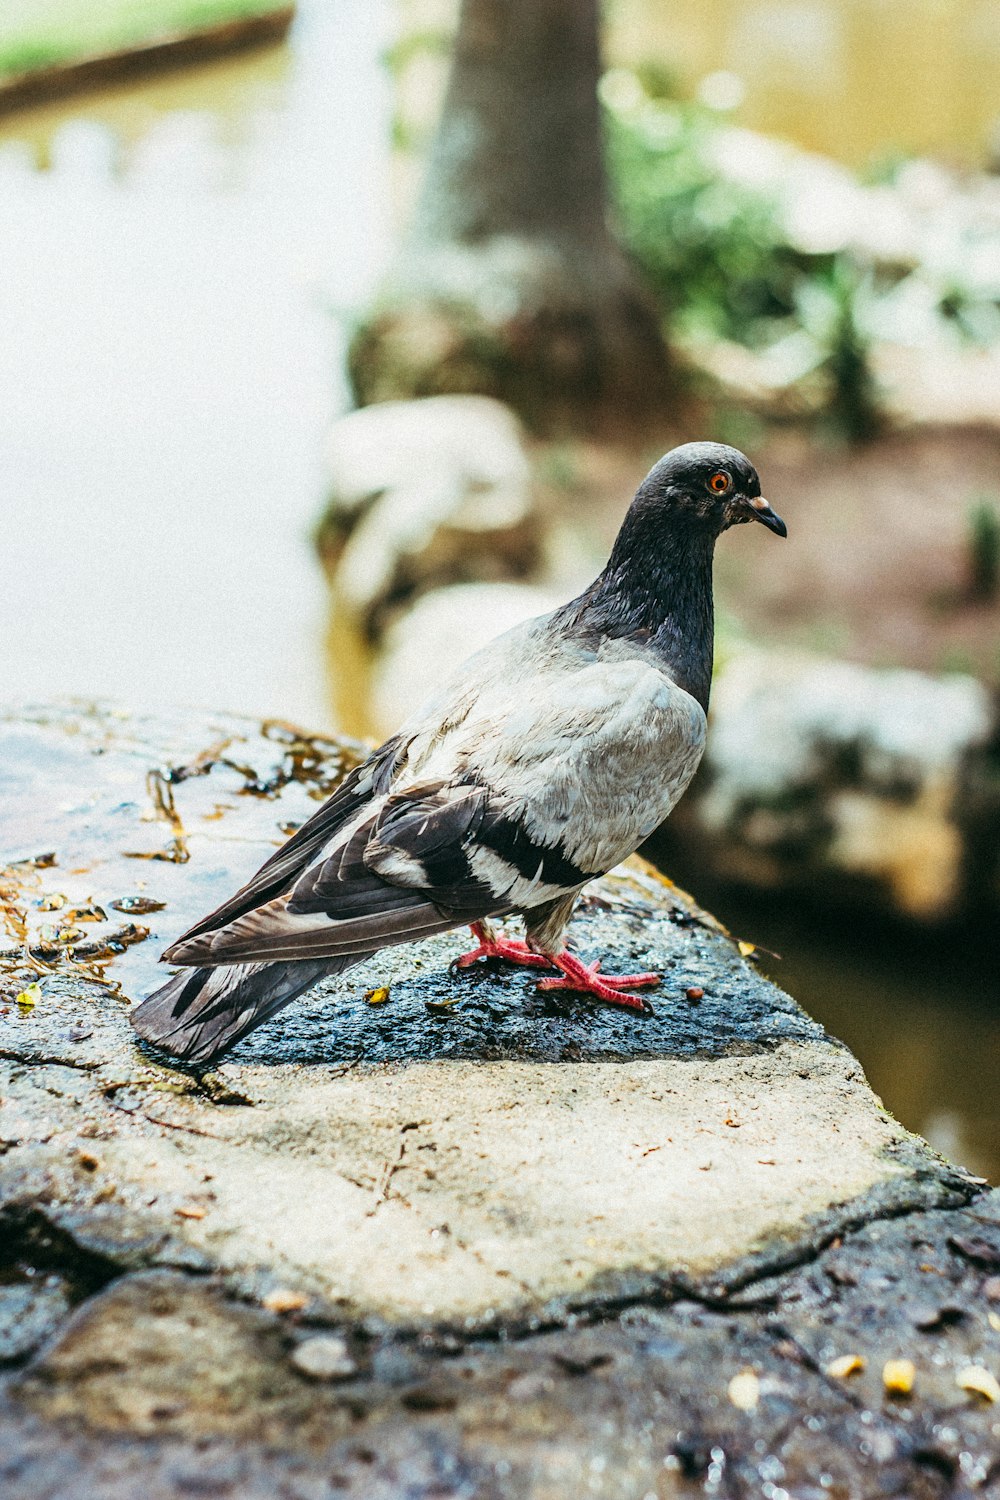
(545, 760)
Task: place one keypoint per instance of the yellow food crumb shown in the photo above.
(898, 1376)
(844, 1365)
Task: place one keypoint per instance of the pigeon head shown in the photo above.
(657, 586)
(709, 485)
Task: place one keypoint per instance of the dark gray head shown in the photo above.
(657, 587)
(710, 485)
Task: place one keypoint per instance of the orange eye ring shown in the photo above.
(719, 483)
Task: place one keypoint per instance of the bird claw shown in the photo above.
(574, 975)
(612, 988)
(511, 950)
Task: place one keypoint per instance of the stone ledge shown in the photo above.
(164, 1382)
(465, 1161)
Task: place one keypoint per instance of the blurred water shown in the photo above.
(169, 367)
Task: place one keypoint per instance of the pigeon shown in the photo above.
(544, 761)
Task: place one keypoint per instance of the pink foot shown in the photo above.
(513, 950)
(613, 988)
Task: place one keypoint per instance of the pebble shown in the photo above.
(325, 1357)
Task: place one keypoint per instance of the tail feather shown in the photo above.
(201, 1013)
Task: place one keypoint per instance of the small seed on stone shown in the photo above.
(325, 1357)
(744, 1390)
(980, 1381)
(844, 1365)
(695, 992)
(282, 1300)
(898, 1376)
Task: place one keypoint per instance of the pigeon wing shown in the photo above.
(287, 864)
(400, 871)
(514, 802)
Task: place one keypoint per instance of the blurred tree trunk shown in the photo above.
(511, 282)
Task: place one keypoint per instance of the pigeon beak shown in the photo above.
(763, 513)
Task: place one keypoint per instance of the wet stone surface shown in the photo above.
(556, 1250)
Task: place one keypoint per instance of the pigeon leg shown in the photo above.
(585, 979)
(493, 945)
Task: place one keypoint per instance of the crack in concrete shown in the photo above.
(167, 1124)
(44, 1060)
(384, 1183)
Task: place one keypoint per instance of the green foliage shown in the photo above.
(40, 33)
(716, 253)
(983, 549)
(829, 306)
(712, 250)
(975, 317)
(25, 56)
(658, 80)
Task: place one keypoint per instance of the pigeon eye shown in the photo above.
(719, 483)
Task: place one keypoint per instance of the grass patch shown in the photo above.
(39, 33)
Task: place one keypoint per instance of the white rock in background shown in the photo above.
(425, 493)
(325, 1357)
(425, 644)
(824, 765)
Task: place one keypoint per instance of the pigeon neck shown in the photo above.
(657, 591)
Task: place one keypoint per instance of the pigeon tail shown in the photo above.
(200, 1013)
